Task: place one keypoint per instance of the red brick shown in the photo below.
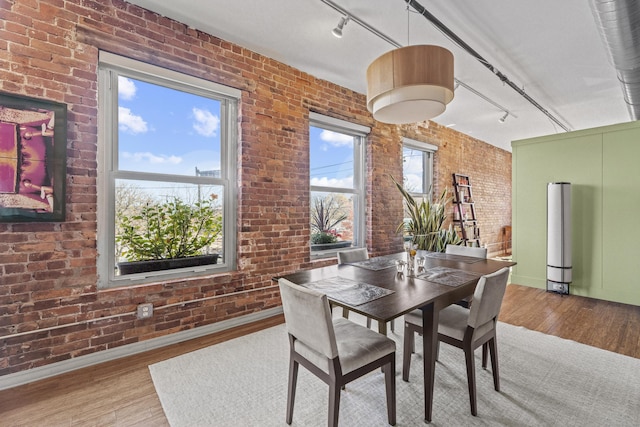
(50, 49)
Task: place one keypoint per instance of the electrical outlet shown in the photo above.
(145, 311)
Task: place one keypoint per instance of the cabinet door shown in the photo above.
(621, 209)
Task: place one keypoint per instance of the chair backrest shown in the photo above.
(308, 318)
(466, 251)
(487, 298)
(353, 255)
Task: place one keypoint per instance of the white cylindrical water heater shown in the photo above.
(559, 237)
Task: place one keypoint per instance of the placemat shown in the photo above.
(453, 257)
(377, 263)
(447, 276)
(348, 291)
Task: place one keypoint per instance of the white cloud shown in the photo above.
(333, 182)
(126, 88)
(151, 158)
(206, 124)
(336, 139)
(129, 122)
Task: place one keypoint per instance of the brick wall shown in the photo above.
(50, 307)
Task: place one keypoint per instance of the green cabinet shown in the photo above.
(601, 165)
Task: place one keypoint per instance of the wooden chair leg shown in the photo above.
(493, 349)
(390, 386)
(291, 392)
(334, 404)
(484, 355)
(471, 378)
(407, 345)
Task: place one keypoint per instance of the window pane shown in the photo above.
(331, 158)
(332, 218)
(161, 220)
(413, 170)
(163, 130)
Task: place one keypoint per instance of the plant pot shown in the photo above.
(329, 246)
(132, 267)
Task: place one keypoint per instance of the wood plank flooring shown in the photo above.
(121, 393)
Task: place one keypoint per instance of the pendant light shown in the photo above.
(410, 84)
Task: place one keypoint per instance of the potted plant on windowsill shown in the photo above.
(169, 235)
(326, 240)
(327, 213)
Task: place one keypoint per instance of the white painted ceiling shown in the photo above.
(552, 49)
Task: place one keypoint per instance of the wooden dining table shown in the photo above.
(405, 292)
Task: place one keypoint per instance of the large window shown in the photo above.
(417, 164)
(167, 174)
(336, 152)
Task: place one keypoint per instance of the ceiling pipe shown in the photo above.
(457, 40)
(619, 25)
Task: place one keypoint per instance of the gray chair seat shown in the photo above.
(356, 346)
(453, 322)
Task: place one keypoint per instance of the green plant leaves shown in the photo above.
(424, 221)
(173, 229)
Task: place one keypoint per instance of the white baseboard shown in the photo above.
(47, 371)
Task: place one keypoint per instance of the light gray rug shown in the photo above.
(545, 381)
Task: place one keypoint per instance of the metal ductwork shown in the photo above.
(619, 25)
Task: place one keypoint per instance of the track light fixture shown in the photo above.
(503, 118)
(337, 31)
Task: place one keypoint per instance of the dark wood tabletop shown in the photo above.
(410, 293)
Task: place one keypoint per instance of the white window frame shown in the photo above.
(428, 151)
(359, 189)
(110, 67)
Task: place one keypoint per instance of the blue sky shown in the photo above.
(165, 130)
(331, 158)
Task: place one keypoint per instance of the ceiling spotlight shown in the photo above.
(337, 31)
(503, 118)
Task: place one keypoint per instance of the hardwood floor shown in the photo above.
(121, 393)
(607, 325)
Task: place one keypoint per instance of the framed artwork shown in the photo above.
(33, 147)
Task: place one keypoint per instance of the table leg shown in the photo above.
(429, 349)
(382, 328)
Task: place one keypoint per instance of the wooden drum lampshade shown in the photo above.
(410, 84)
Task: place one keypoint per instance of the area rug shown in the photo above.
(545, 381)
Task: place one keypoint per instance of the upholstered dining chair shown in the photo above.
(355, 255)
(466, 329)
(470, 252)
(337, 351)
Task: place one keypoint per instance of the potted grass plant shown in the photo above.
(168, 235)
(424, 221)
